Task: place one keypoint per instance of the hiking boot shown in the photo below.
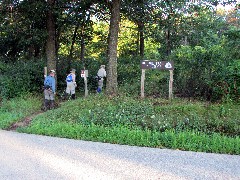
(73, 96)
(64, 97)
(46, 105)
(52, 104)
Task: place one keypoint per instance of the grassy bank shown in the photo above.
(180, 124)
(15, 109)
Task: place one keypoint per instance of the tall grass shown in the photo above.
(185, 140)
(179, 124)
(15, 109)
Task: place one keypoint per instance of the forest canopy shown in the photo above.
(201, 37)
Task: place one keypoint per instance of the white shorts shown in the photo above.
(100, 83)
(70, 88)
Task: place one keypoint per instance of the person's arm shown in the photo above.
(74, 80)
(53, 85)
(74, 77)
(45, 80)
(105, 74)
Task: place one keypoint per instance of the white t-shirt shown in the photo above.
(102, 73)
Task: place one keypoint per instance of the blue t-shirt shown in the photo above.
(50, 81)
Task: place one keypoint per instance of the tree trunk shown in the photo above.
(168, 42)
(82, 46)
(112, 49)
(70, 56)
(169, 29)
(51, 40)
(141, 38)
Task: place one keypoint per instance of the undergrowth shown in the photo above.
(177, 124)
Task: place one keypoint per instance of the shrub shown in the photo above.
(20, 78)
(205, 72)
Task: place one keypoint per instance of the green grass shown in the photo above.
(177, 124)
(153, 114)
(15, 109)
(186, 140)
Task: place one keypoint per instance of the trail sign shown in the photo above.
(84, 73)
(162, 65)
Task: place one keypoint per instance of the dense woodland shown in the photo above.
(201, 37)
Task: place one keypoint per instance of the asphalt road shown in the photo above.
(25, 156)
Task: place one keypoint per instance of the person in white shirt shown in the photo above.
(101, 74)
(71, 84)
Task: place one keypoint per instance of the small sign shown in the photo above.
(162, 65)
(84, 73)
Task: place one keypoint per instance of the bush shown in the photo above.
(205, 73)
(20, 78)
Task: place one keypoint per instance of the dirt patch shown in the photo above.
(27, 120)
(24, 122)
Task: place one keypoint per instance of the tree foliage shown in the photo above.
(200, 37)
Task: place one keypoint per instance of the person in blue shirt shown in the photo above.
(49, 90)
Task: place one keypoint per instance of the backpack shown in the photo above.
(98, 78)
(69, 78)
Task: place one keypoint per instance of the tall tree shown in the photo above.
(112, 47)
(138, 11)
(51, 39)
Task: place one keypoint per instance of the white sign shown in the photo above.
(84, 73)
(162, 65)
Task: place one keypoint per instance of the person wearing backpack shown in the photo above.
(101, 74)
(71, 84)
(49, 90)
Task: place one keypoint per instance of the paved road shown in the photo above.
(24, 156)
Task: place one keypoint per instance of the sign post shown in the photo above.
(159, 65)
(142, 83)
(170, 85)
(84, 74)
(45, 72)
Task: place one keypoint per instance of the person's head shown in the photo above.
(102, 66)
(52, 72)
(73, 71)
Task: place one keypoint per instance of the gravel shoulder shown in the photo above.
(26, 156)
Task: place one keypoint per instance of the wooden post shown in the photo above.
(45, 72)
(142, 83)
(86, 89)
(171, 85)
(85, 82)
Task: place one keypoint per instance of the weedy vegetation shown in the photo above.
(178, 124)
(17, 108)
